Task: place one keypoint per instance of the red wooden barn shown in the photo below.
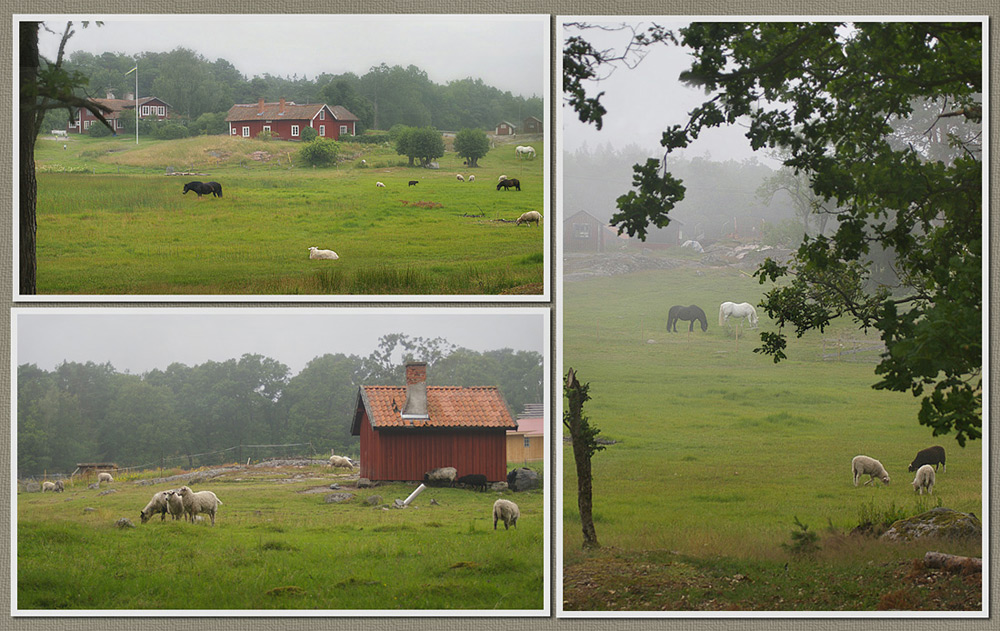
(286, 120)
(149, 107)
(407, 431)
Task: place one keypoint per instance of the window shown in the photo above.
(581, 230)
(161, 111)
(343, 130)
(322, 114)
(145, 110)
(295, 131)
(527, 442)
(246, 131)
(322, 130)
(232, 130)
(267, 128)
(86, 124)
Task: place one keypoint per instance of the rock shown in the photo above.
(89, 509)
(374, 500)
(365, 483)
(499, 487)
(334, 487)
(937, 522)
(94, 486)
(32, 487)
(398, 504)
(337, 498)
(124, 523)
(523, 479)
(108, 492)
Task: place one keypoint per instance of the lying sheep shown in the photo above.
(441, 476)
(932, 455)
(341, 461)
(475, 480)
(379, 185)
(55, 487)
(507, 511)
(924, 479)
(158, 504)
(863, 465)
(528, 217)
(316, 253)
(200, 502)
(175, 505)
(104, 476)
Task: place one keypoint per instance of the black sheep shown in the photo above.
(931, 455)
(476, 480)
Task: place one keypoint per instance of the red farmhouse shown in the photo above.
(407, 431)
(286, 120)
(149, 107)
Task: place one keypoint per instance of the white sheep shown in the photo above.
(200, 502)
(528, 217)
(458, 176)
(158, 504)
(104, 476)
(863, 465)
(924, 480)
(379, 185)
(472, 178)
(341, 461)
(175, 505)
(55, 487)
(501, 178)
(316, 253)
(441, 475)
(507, 511)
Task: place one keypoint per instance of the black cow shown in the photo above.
(506, 184)
(204, 188)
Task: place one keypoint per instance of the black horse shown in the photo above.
(506, 184)
(204, 188)
(692, 313)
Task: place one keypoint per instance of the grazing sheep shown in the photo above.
(316, 253)
(379, 185)
(472, 178)
(200, 502)
(863, 465)
(55, 487)
(158, 504)
(413, 182)
(476, 480)
(932, 455)
(341, 461)
(507, 511)
(175, 505)
(364, 162)
(501, 178)
(441, 475)
(924, 479)
(104, 476)
(528, 217)
(458, 176)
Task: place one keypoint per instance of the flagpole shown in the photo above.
(136, 71)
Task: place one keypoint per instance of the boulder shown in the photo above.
(337, 498)
(938, 523)
(523, 479)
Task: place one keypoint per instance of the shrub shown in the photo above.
(98, 130)
(266, 135)
(308, 134)
(320, 152)
(170, 131)
(803, 541)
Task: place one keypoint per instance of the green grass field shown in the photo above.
(719, 449)
(276, 545)
(110, 221)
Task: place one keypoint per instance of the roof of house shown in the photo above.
(512, 125)
(117, 105)
(453, 407)
(532, 426)
(291, 111)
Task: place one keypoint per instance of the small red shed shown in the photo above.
(408, 430)
(286, 120)
(504, 129)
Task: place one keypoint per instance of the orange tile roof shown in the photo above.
(447, 406)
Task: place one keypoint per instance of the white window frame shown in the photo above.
(246, 131)
(232, 130)
(527, 442)
(322, 130)
(266, 128)
(145, 110)
(161, 111)
(86, 124)
(322, 114)
(343, 130)
(581, 230)
(295, 131)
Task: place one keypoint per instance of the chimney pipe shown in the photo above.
(416, 390)
(260, 106)
(281, 106)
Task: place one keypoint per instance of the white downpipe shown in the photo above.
(415, 493)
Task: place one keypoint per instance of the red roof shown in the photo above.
(286, 111)
(530, 426)
(478, 407)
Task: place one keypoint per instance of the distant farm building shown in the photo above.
(93, 468)
(409, 430)
(150, 107)
(505, 129)
(670, 235)
(286, 120)
(582, 232)
(527, 442)
(532, 125)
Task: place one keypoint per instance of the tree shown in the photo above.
(320, 152)
(423, 143)
(44, 86)
(833, 96)
(584, 438)
(472, 144)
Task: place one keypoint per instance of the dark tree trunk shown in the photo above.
(28, 130)
(583, 449)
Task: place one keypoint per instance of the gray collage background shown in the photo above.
(553, 8)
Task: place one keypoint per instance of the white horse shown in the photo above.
(524, 151)
(743, 310)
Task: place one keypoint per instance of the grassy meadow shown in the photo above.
(110, 221)
(720, 450)
(278, 545)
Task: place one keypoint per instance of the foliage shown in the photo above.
(265, 135)
(99, 131)
(804, 541)
(211, 123)
(830, 96)
(320, 152)
(308, 134)
(423, 143)
(471, 144)
(170, 131)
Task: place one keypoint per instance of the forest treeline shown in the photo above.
(95, 413)
(384, 96)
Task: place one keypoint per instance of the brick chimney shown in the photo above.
(260, 106)
(416, 390)
(281, 106)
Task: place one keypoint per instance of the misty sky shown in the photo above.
(138, 340)
(508, 52)
(644, 101)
